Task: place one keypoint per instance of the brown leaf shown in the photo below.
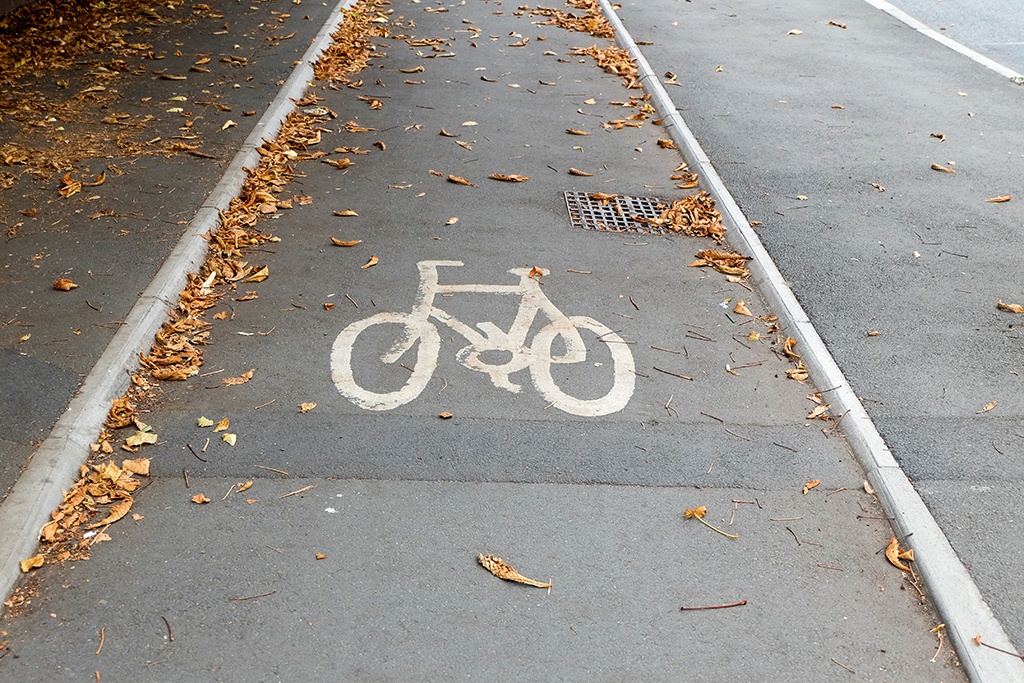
(243, 487)
(415, 70)
(1001, 198)
(447, 134)
(741, 308)
(437, 173)
(698, 512)
(259, 276)
(200, 499)
(321, 556)
(940, 136)
(459, 180)
(510, 178)
(446, 416)
(573, 131)
(220, 316)
(833, 23)
(116, 512)
(810, 485)
(535, 271)
(944, 169)
(381, 145)
(341, 243)
(667, 144)
(878, 187)
(306, 407)
(346, 212)
(64, 285)
(328, 306)
(222, 425)
(799, 373)
(874, 333)
(233, 381)
(787, 348)
(173, 374)
(576, 171)
(32, 563)
(372, 262)
(138, 466)
(892, 551)
(988, 407)
(339, 163)
(464, 145)
(497, 566)
(1016, 308)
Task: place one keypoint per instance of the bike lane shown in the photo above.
(400, 501)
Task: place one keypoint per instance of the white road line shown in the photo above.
(951, 587)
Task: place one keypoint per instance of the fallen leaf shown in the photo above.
(259, 276)
(243, 487)
(499, 568)
(452, 221)
(139, 438)
(799, 373)
(328, 306)
(1016, 308)
(940, 136)
(802, 197)
(988, 407)
(372, 262)
(447, 134)
(573, 131)
(976, 639)
(24, 338)
(234, 381)
(878, 187)
(229, 438)
(944, 169)
(868, 489)
(719, 68)
(138, 466)
(200, 499)
(341, 243)
(306, 407)
(535, 271)
(794, 32)
(510, 178)
(810, 485)
(787, 348)
(838, 106)
(339, 163)
(464, 145)
(64, 285)
(228, 124)
(1000, 199)
(892, 551)
(666, 144)
(220, 316)
(874, 333)
(346, 212)
(222, 425)
(415, 70)
(446, 416)
(907, 554)
(832, 23)
(321, 556)
(459, 180)
(469, 123)
(136, 516)
(115, 513)
(576, 171)
(696, 513)
(741, 308)
(381, 145)
(204, 422)
(32, 563)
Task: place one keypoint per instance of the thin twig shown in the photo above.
(262, 467)
(634, 303)
(977, 639)
(581, 272)
(229, 491)
(102, 638)
(825, 566)
(185, 472)
(836, 491)
(713, 417)
(748, 502)
(887, 519)
(843, 665)
(352, 300)
(738, 435)
(194, 453)
(205, 445)
(623, 315)
(264, 405)
(673, 374)
(252, 597)
(170, 636)
(311, 486)
(298, 306)
(668, 404)
(786, 447)
(783, 519)
(731, 604)
(215, 372)
(275, 549)
(658, 348)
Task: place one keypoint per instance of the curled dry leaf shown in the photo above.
(535, 271)
(116, 512)
(1000, 199)
(820, 412)
(32, 563)
(200, 499)
(452, 221)
(944, 169)
(321, 556)
(342, 243)
(499, 568)
(573, 131)
(259, 276)
(892, 551)
(372, 262)
(666, 143)
(794, 32)
(787, 348)
(233, 381)
(469, 123)
(940, 136)
(243, 487)
(137, 466)
(799, 373)
(328, 306)
(874, 333)
(64, 285)
(231, 439)
(1016, 308)
(811, 484)
(576, 171)
(346, 212)
(459, 180)
(415, 70)
(741, 308)
(510, 178)
(446, 415)
(306, 407)
(222, 425)
(464, 145)
(878, 187)
(988, 407)
(339, 163)
(447, 134)
(834, 23)
(698, 512)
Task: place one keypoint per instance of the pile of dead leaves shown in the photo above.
(593, 23)
(727, 263)
(614, 60)
(694, 215)
(352, 47)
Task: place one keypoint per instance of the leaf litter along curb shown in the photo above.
(175, 354)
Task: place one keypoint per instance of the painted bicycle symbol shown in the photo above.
(417, 327)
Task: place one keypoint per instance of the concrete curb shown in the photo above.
(913, 23)
(957, 598)
(38, 490)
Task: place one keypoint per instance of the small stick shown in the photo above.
(734, 508)
(887, 519)
(229, 491)
(196, 454)
(997, 448)
(215, 372)
(185, 472)
(251, 597)
(748, 502)
(843, 665)
(731, 604)
(786, 447)
(102, 636)
(298, 306)
(205, 445)
(444, 387)
(836, 491)
(264, 405)
(713, 417)
(623, 315)
(783, 519)
(406, 367)
(738, 435)
(951, 253)
(977, 639)
(275, 549)
(549, 405)
(170, 636)
(825, 566)
(669, 403)
(673, 374)
(97, 677)
(658, 348)
(634, 303)
(641, 375)
(795, 537)
(696, 335)
(581, 272)
(740, 343)
(938, 631)
(607, 333)
(759, 507)
(352, 300)
(311, 486)
(93, 307)
(709, 469)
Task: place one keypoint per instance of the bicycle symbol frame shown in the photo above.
(537, 356)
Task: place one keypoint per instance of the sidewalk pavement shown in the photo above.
(402, 501)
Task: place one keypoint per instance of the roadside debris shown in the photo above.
(499, 568)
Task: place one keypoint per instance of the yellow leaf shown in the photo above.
(233, 381)
(452, 221)
(222, 425)
(741, 308)
(204, 422)
(116, 512)
(510, 178)
(813, 482)
(229, 438)
(573, 131)
(1002, 198)
(341, 243)
(346, 212)
(1016, 308)
(200, 499)
(306, 407)
(787, 348)
(698, 512)
(499, 568)
(139, 438)
(892, 551)
(32, 563)
(988, 407)
(459, 180)
(64, 285)
(244, 487)
(372, 262)
(259, 276)
(321, 556)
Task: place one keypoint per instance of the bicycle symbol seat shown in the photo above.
(417, 327)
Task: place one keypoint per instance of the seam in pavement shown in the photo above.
(954, 593)
(913, 23)
(38, 490)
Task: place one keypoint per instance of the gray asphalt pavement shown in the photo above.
(577, 469)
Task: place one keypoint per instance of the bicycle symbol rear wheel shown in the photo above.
(416, 330)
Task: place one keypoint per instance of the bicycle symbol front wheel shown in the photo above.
(415, 329)
(622, 369)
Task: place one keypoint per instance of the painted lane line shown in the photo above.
(55, 464)
(954, 592)
(913, 23)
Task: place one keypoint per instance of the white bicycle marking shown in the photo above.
(537, 357)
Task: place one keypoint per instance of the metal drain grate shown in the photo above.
(616, 215)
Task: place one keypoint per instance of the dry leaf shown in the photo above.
(342, 243)
(819, 412)
(698, 512)
(940, 167)
(464, 145)
(139, 438)
(381, 145)
(372, 262)
(204, 422)
(794, 32)
(832, 23)
(787, 348)
(665, 143)
(510, 178)
(497, 566)
(346, 212)
(116, 512)
(222, 425)
(415, 70)
(811, 484)
(878, 187)
(32, 563)
(24, 338)
(868, 489)
(200, 499)
(452, 221)
(233, 381)
(573, 131)
(874, 333)
(469, 123)
(64, 285)
(321, 556)
(459, 180)
(328, 306)
(306, 407)
(799, 373)
(137, 466)
(223, 315)
(1016, 308)
(446, 416)
(229, 438)
(576, 171)
(940, 136)
(447, 134)
(741, 308)
(892, 551)
(1000, 199)
(988, 407)
(339, 163)
(243, 487)
(259, 276)
(907, 554)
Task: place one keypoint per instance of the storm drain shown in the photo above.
(614, 215)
